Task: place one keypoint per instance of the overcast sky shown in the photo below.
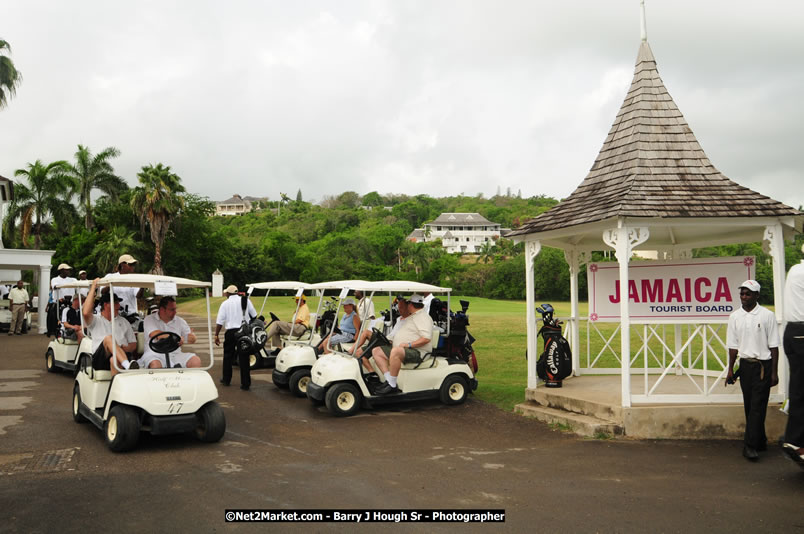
(405, 96)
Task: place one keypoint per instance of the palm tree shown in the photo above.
(47, 195)
(107, 250)
(157, 200)
(486, 252)
(10, 77)
(95, 172)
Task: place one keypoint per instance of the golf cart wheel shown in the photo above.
(254, 361)
(122, 429)
(298, 382)
(211, 422)
(453, 390)
(50, 361)
(343, 399)
(77, 417)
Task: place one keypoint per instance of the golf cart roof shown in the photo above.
(340, 284)
(77, 283)
(148, 280)
(405, 286)
(280, 285)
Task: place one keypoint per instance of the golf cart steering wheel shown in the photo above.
(376, 340)
(165, 342)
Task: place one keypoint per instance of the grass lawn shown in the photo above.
(500, 332)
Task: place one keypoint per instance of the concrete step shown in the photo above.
(582, 425)
(566, 400)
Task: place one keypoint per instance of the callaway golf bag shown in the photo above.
(555, 363)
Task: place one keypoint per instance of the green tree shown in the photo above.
(299, 196)
(107, 250)
(10, 77)
(46, 196)
(372, 199)
(157, 200)
(486, 252)
(95, 172)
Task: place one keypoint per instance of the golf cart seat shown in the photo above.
(305, 336)
(140, 343)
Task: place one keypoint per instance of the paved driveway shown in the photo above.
(279, 452)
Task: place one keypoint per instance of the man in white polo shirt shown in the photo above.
(794, 348)
(411, 342)
(753, 335)
(230, 316)
(166, 320)
(100, 330)
(128, 295)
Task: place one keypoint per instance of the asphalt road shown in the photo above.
(281, 453)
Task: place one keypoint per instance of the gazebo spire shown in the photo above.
(644, 25)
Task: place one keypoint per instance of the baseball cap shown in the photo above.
(348, 300)
(232, 289)
(106, 298)
(81, 272)
(751, 285)
(64, 266)
(416, 298)
(301, 297)
(126, 258)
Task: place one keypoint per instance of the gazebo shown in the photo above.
(651, 188)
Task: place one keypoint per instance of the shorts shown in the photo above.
(180, 358)
(343, 337)
(411, 355)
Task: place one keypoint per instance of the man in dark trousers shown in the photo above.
(753, 335)
(794, 348)
(230, 317)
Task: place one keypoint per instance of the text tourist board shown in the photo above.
(669, 291)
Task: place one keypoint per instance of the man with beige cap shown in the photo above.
(753, 335)
(230, 317)
(125, 265)
(57, 294)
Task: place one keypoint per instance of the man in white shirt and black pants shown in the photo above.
(753, 335)
(794, 348)
(230, 318)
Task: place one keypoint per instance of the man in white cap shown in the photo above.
(82, 277)
(411, 342)
(794, 348)
(753, 336)
(230, 317)
(125, 265)
(57, 294)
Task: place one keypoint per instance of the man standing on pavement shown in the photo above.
(753, 336)
(18, 303)
(230, 317)
(82, 277)
(794, 348)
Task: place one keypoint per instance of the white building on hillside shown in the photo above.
(459, 232)
(237, 205)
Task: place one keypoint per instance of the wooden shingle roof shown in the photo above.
(651, 165)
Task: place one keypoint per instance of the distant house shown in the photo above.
(459, 232)
(237, 205)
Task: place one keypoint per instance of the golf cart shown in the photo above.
(160, 401)
(447, 373)
(294, 361)
(62, 352)
(266, 356)
(5, 313)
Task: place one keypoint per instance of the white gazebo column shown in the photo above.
(623, 239)
(532, 249)
(572, 256)
(774, 237)
(44, 293)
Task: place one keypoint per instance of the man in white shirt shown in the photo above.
(99, 328)
(125, 265)
(382, 351)
(58, 293)
(753, 335)
(82, 277)
(230, 317)
(411, 342)
(166, 320)
(365, 307)
(794, 348)
(18, 304)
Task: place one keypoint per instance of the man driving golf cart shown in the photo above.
(381, 350)
(413, 339)
(166, 320)
(100, 330)
(71, 321)
(301, 325)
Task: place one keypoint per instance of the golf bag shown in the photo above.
(250, 338)
(458, 345)
(555, 363)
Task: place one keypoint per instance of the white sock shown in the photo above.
(125, 364)
(392, 380)
(387, 376)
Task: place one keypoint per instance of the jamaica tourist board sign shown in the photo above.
(683, 291)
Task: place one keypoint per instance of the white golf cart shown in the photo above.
(446, 373)
(159, 401)
(62, 352)
(266, 357)
(293, 363)
(5, 312)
